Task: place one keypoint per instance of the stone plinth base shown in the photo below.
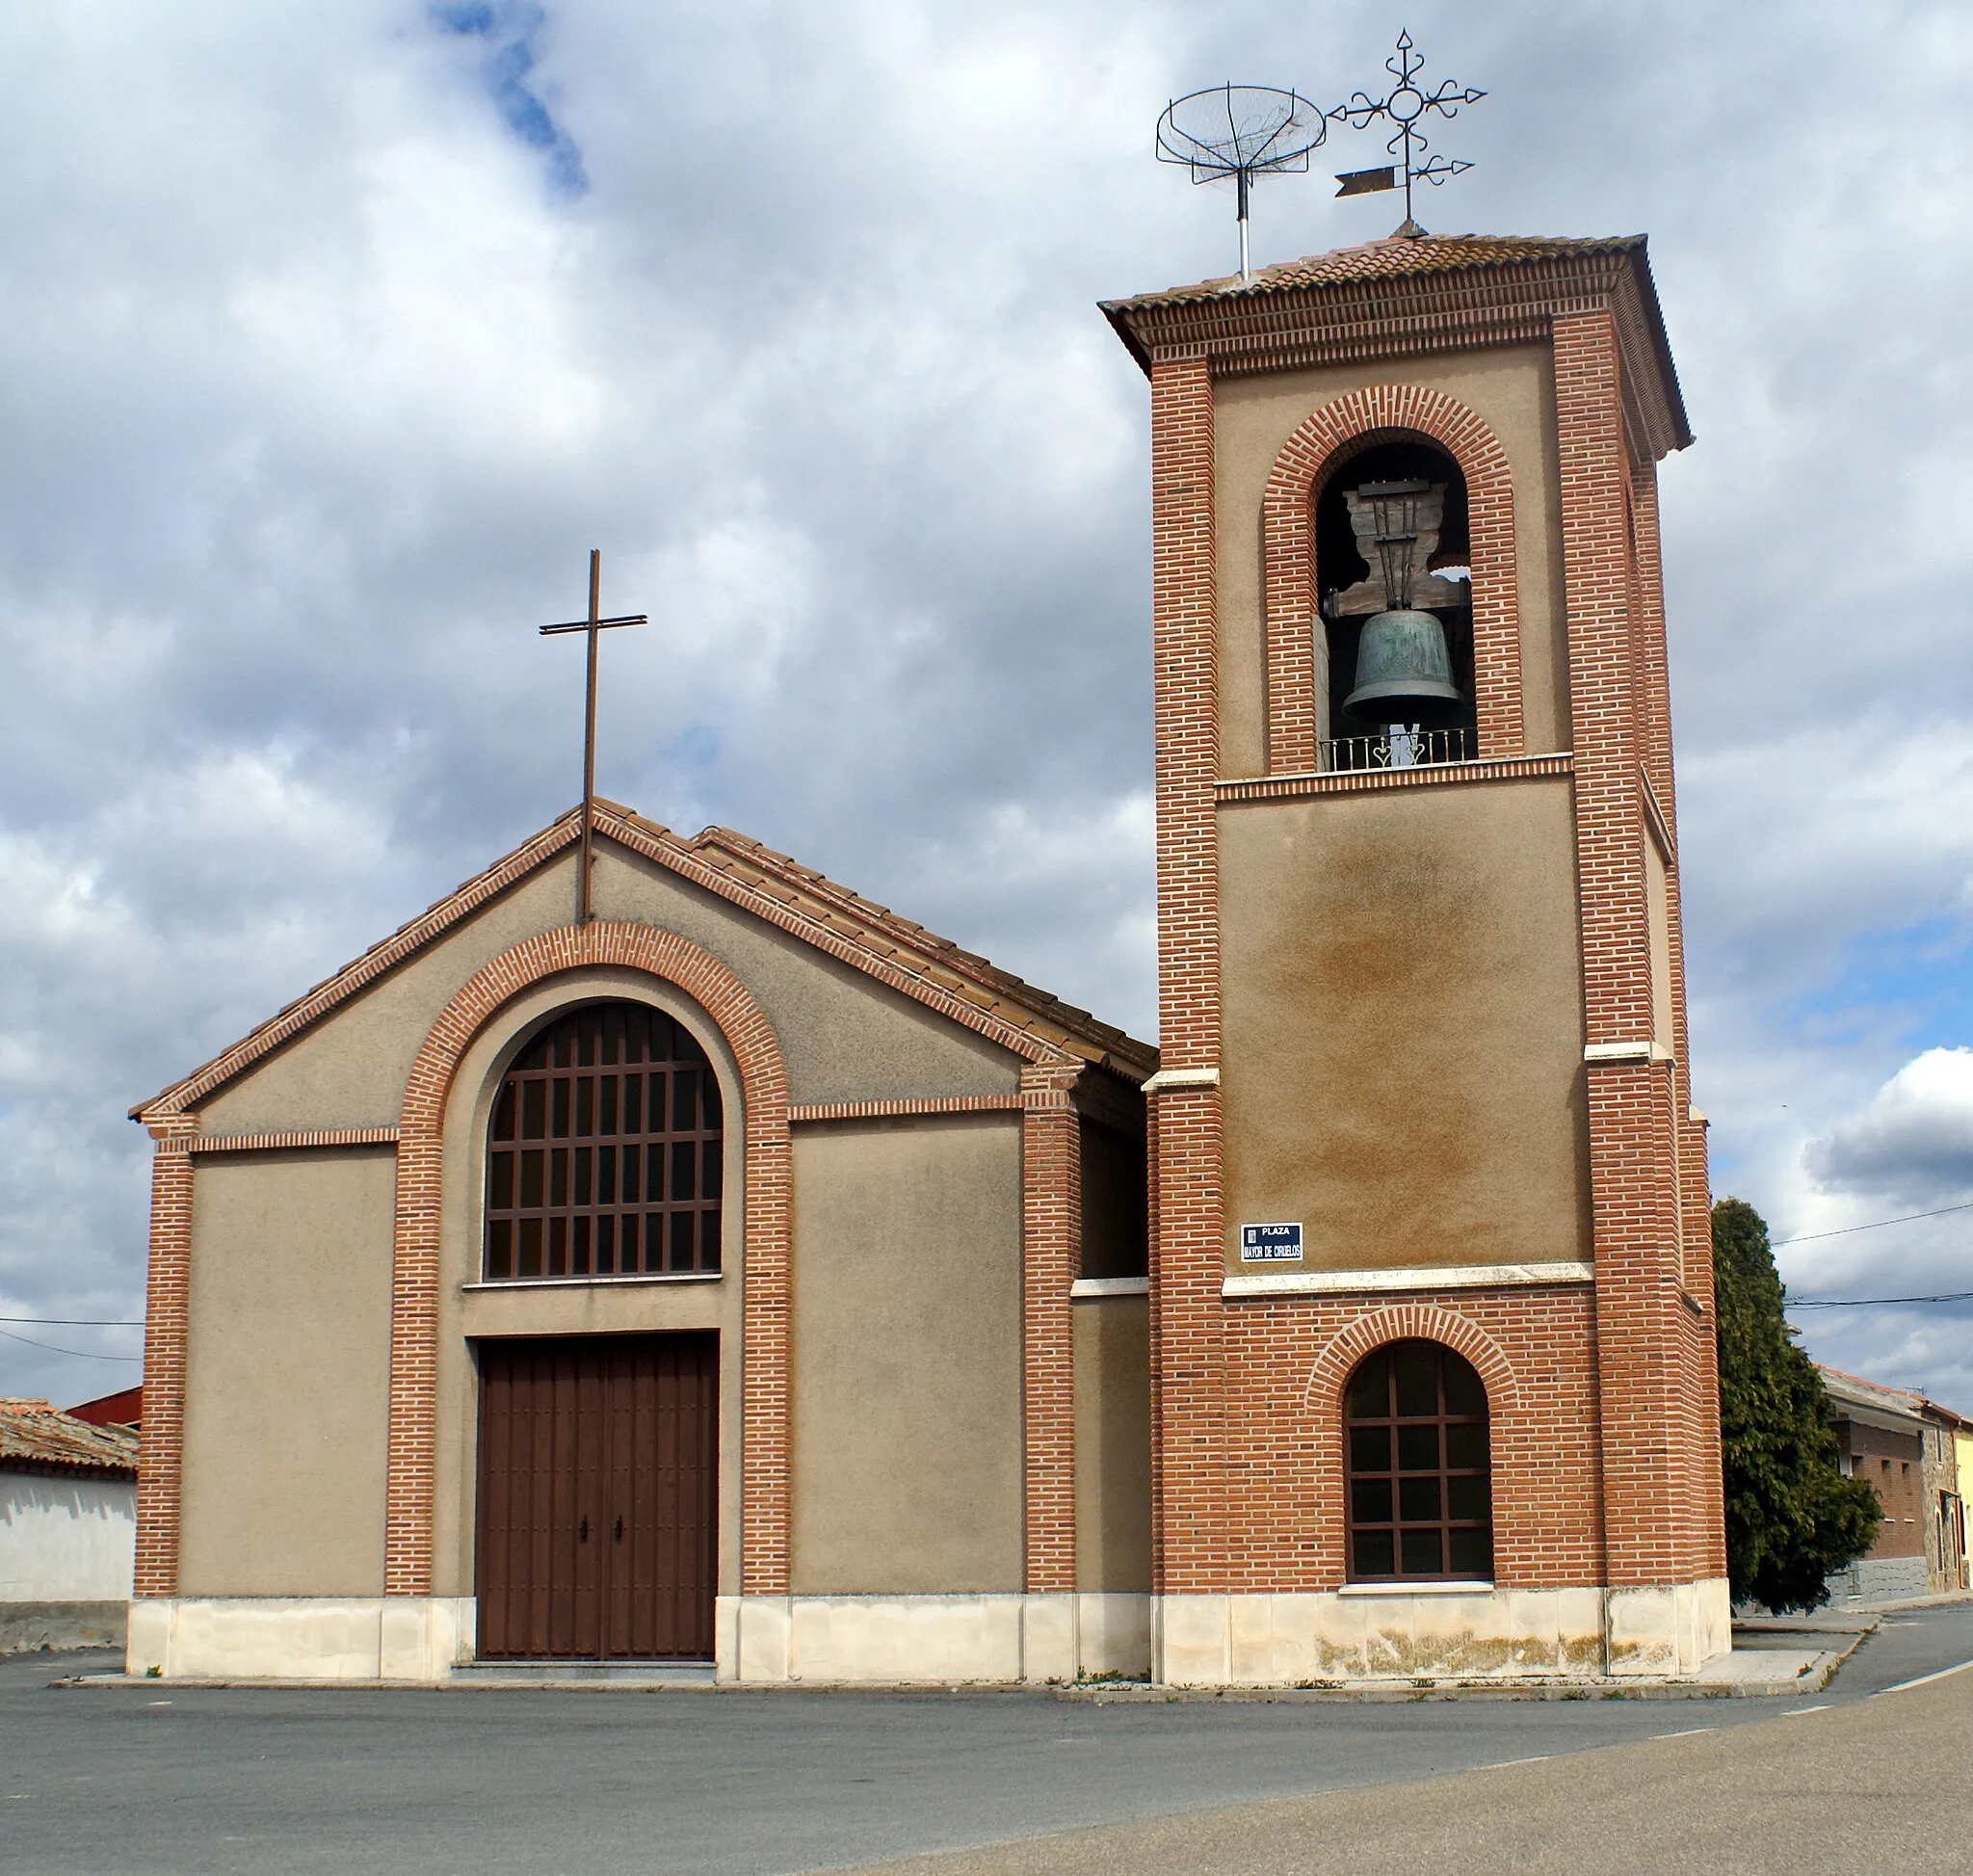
(932, 1639)
(1411, 1634)
(300, 1638)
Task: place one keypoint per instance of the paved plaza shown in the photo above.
(167, 1780)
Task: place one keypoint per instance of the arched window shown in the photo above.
(604, 1157)
(1417, 1466)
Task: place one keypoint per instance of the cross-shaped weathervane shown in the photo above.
(593, 626)
(1404, 105)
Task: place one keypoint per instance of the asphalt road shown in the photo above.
(749, 1783)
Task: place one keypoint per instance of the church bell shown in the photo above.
(1404, 674)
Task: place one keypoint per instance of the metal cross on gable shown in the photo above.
(594, 625)
(1404, 104)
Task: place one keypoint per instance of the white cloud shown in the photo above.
(1913, 1144)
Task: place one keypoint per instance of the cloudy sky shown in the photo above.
(332, 339)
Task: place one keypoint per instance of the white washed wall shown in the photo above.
(65, 1540)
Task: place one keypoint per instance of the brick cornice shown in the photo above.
(766, 1321)
(1505, 304)
(1345, 424)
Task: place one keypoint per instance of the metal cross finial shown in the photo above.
(1404, 105)
(592, 625)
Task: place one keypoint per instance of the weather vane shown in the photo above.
(1404, 105)
(1240, 131)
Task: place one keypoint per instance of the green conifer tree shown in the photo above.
(1792, 1516)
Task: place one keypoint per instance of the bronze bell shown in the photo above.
(1404, 674)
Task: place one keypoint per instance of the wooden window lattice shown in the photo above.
(1418, 1468)
(605, 1154)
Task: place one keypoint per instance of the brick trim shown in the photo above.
(1398, 1322)
(415, 1266)
(317, 1139)
(1378, 414)
(166, 1331)
(1051, 1255)
(1368, 781)
(811, 1112)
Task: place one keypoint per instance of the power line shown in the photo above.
(74, 1322)
(86, 1354)
(1874, 1302)
(1875, 1224)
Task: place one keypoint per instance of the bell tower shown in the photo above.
(1433, 1385)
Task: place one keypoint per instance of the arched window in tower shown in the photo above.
(1394, 644)
(604, 1158)
(1417, 1466)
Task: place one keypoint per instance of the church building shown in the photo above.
(704, 1267)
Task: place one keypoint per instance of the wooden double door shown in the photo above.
(598, 1498)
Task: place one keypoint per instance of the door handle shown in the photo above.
(582, 1529)
(619, 1530)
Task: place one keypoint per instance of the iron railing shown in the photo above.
(1394, 748)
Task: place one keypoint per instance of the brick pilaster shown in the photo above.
(1052, 1250)
(167, 1329)
(1643, 1381)
(1189, 1402)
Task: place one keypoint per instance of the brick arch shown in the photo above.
(415, 1260)
(1407, 1321)
(1358, 420)
(1322, 1403)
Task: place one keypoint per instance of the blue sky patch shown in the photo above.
(1920, 978)
(508, 30)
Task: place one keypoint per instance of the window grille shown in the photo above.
(604, 1159)
(1417, 1468)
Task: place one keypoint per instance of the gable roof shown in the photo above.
(38, 1438)
(896, 951)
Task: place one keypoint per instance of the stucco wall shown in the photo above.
(287, 1376)
(66, 1539)
(348, 1069)
(1113, 1442)
(1403, 1043)
(907, 1390)
(1511, 388)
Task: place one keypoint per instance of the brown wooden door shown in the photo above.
(599, 1493)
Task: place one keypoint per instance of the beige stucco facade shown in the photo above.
(1419, 950)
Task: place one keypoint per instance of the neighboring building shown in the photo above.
(68, 1529)
(1962, 1461)
(749, 1276)
(122, 1408)
(1906, 1445)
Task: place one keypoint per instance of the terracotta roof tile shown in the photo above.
(1394, 258)
(37, 1436)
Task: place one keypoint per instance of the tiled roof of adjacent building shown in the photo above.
(1394, 258)
(36, 1437)
(799, 899)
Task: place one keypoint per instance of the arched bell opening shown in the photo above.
(1396, 610)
